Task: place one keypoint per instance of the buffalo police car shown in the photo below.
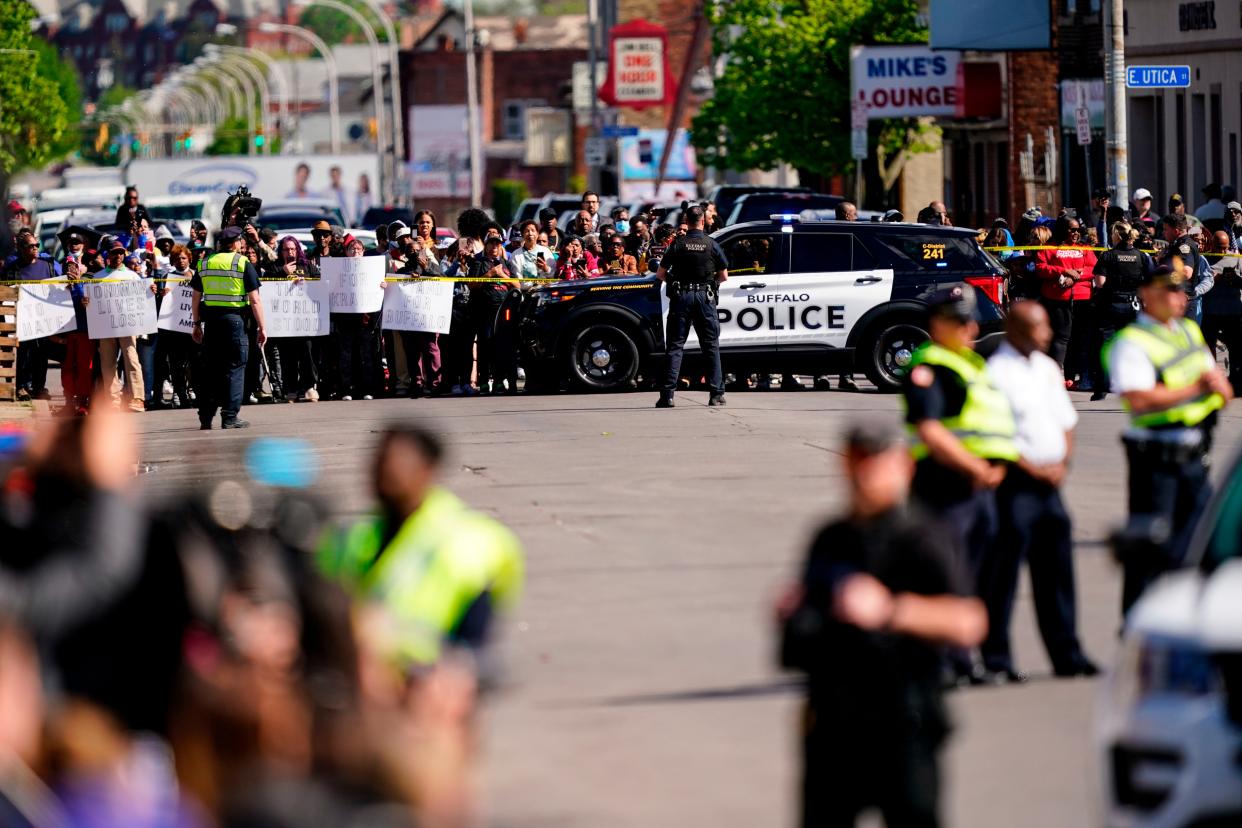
(802, 297)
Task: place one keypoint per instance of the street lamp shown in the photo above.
(249, 73)
(377, 84)
(329, 62)
(218, 68)
(282, 84)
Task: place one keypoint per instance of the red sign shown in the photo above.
(638, 73)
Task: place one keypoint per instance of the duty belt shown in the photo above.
(1172, 445)
(694, 285)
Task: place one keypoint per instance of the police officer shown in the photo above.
(1182, 245)
(1172, 388)
(224, 285)
(962, 431)
(692, 270)
(882, 590)
(1117, 275)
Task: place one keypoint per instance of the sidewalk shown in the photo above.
(11, 412)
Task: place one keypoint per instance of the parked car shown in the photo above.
(801, 297)
(758, 206)
(725, 195)
(1170, 725)
(287, 214)
(376, 216)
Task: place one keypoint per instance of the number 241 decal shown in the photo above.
(933, 251)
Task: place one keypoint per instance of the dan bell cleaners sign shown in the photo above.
(904, 81)
(638, 72)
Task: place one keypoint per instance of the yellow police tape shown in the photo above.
(1096, 249)
(65, 281)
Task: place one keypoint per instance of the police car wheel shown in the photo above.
(602, 357)
(889, 349)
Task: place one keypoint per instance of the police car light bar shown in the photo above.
(786, 218)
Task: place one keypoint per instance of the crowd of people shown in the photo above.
(231, 658)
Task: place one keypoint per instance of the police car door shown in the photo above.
(756, 264)
(832, 283)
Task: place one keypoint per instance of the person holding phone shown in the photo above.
(575, 262)
(290, 360)
(531, 260)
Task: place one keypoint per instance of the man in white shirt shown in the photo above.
(1213, 209)
(1034, 523)
(126, 347)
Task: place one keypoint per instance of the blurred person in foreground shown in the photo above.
(881, 591)
(1222, 305)
(1034, 523)
(437, 570)
(1172, 388)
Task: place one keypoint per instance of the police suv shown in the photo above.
(802, 297)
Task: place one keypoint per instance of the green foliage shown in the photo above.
(232, 137)
(114, 96)
(33, 117)
(68, 88)
(336, 27)
(507, 194)
(784, 93)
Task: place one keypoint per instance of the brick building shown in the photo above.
(525, 68)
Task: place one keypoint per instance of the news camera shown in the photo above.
(240, 206)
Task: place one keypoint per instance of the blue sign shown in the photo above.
(1157, 77)
(618, 131)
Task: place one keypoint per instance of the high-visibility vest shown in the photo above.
(223, 285)
(985, 425)
(1178, 357)
(442, 559)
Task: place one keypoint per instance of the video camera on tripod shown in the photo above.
(240, 206)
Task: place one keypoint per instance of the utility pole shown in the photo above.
(472, 109)
(593, 59)
(1115, 112)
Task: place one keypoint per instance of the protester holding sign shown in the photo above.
(291, 360)
(357, 295)
(176, 354)
(77, 367)
(421, 340)
(119, 308)
(31, 354)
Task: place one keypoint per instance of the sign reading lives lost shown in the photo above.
(177, 309)
(296, 308)
(355, 285)
(44, 310)
(418, 306)
(120, 309)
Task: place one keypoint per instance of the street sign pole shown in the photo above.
(1115, 137)
(858, 146)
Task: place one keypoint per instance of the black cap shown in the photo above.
(227, 234)
(74, 238)
(1102, 192)
(955, 302)
(872, 436)
(1164, 276)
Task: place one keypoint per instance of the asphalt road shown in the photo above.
(641, 683)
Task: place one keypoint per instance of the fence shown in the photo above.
(8, 343)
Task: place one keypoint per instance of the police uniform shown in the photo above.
(224, 280)
(440, 574)
(1167, 450)
(691, 264)
(1116, 303)
(953, 388)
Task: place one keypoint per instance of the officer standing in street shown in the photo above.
(224, 285)
(962, 434)
(692, 270)
(1117, 275)
(882, 590)
(1172, 388)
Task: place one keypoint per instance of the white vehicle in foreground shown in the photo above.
(1170, 722)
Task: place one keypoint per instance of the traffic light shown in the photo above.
(135, 146)
(189, 142)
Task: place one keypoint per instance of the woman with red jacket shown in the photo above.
(1065, 286)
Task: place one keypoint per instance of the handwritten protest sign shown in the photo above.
(418, 306)
(295, 308)
(356, 285)
(120, 309)
(177, 309)
(43, 310)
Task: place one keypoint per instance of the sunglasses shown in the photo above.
(318, 233)
(30, 247)
(1074, 230)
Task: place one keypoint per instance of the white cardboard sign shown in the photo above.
(418, 306)
(295, 308)
(120, 309)
(44, 310)
(355, 284)
(177, 309)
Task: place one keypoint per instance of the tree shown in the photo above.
(335, 27)
(33, 116)
(784, 93)
(68, 88)
(232, 137)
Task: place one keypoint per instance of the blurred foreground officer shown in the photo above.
(962, 433)
(881, 591)
(438, 569)
(1172, 387)
(225, 284)
(1034, 523)
(692, 271)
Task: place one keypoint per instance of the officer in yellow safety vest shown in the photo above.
(961, 430)
(1172, 388)
(436, 570)
(226, 287)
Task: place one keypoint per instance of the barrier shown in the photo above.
(8, 343)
